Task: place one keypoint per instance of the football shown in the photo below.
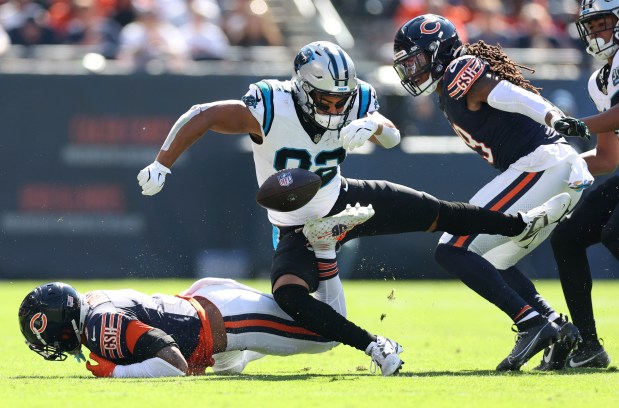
(288, 189)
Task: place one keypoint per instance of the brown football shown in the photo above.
(288, 189)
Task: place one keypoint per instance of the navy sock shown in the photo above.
(526, 289)
(481, 276)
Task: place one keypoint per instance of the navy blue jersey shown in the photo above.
(500, 137)
(127, 326)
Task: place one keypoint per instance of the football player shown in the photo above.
(596, 219)
(216, 322)
(501, 116)
(311, 121)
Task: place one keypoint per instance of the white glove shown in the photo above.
(152, 178)
(357, 132)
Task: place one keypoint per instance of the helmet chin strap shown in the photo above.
(429, 86)
(599, 44)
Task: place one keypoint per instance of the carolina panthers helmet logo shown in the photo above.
(38, 323)
(303, 57)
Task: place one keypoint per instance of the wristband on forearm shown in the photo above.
(387, 136)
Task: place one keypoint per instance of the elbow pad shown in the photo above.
(511, 98)
(389, 137)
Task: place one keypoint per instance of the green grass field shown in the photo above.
(452, 338)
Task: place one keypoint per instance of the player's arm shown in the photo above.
(506, 96)
(156, 351)
(605, 121)
(373, 127)
(228, 117)
(604, 159)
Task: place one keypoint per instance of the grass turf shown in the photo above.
(452, 339)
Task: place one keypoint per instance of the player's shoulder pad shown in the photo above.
(261, 99)
(461, 74)
(368, 101)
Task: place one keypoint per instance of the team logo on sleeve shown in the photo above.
(465, 78)
(251, 101)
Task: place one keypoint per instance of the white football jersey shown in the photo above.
(604, 85)
(286, 144)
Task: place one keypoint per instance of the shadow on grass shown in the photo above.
(342, 376)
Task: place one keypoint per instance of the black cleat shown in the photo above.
(588, 354)
(528, 344)
(555, 356)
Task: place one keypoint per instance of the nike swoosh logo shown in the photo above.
(534, 228)
(575, 364)
(548, 357)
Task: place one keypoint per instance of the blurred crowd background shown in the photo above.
(135, 32)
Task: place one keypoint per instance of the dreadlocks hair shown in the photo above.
(500, 64)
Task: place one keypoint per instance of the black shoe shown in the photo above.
(555, 356)
(588, 354)
(528, 344)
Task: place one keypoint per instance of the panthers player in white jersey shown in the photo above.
(596, 219)
(310, 122)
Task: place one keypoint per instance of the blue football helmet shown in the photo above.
(51, 318)
(323, 68)
(427, 43)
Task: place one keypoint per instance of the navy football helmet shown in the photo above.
(51, 318)
(596, 9)
(427, 43)
(323, 68)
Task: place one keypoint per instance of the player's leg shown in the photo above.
(467, 258)
(573, 236)
(253, 321)
(402, 209)
(294, 275)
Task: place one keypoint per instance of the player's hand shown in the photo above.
(152, 178)
(104, 368)
(572, 127)
(357, 132)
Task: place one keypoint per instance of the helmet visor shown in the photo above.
(331, 109)
(414, 71)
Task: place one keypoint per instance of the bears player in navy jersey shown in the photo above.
(311, 121)
(216, 323)
(596, 218)
(502, 117)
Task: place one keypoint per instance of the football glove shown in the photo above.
(152, 178)
(104, 368)
(357, 132)
(572, 127)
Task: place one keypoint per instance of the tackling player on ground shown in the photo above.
(309, 122)
(216, 323)
(502, 117)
